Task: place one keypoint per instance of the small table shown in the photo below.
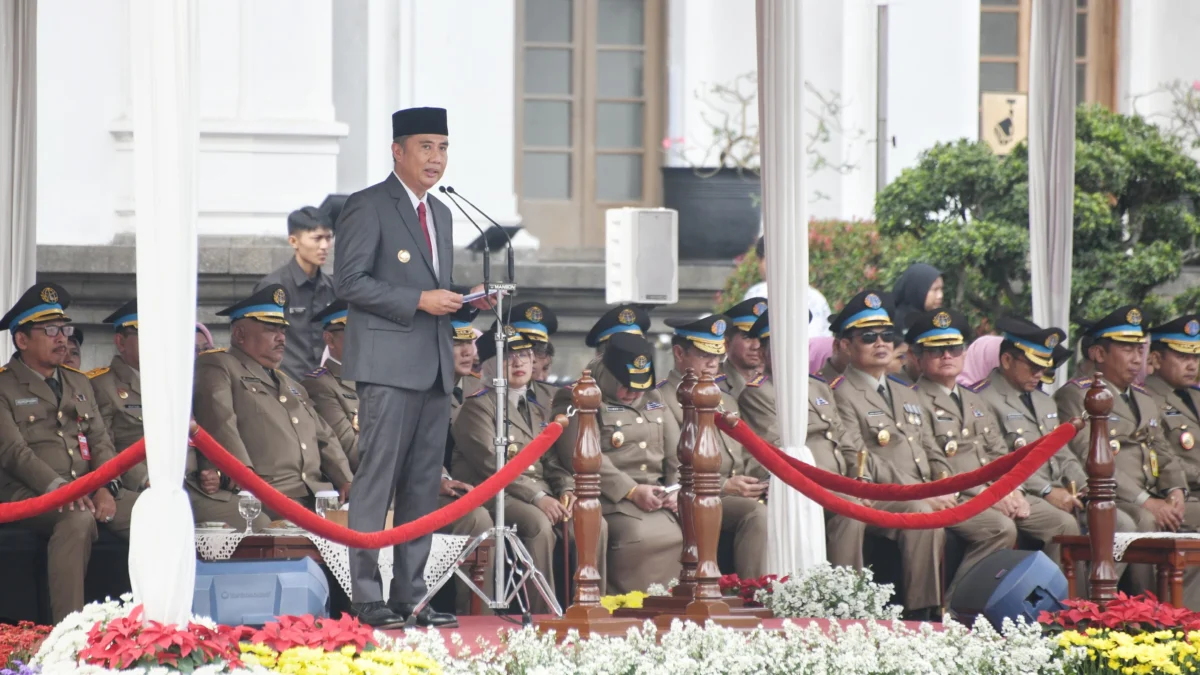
(265, 547)
(1170, 556)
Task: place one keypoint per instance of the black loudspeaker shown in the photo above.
(1009, 584)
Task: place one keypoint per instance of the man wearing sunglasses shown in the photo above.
(967, 437)
(886, 414)
(51, 433)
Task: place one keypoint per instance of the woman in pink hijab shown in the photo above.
(982, 356)
(819, 349)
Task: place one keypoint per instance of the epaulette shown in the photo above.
(979, 386)
(1138, 388)
(1082, 382)
(902, 381)
(818, 378)
(756, 381)
(3, 368)
(218, 350)
(719, 378)
(1194, 386)
(73, 370)
(837, 381)
(660, 383)
(479, 393)
(318, 372)
(96, 372)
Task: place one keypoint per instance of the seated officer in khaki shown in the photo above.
(51, 433)
(119, 390)
(261, 415)
(644, 537)
(886, 416)
(700, 345)
(1175, 362)
(969, 437)
(1151, 484)
(537, 323)
(743, 359)
(624, 318)
(335, 399)
(541, 499)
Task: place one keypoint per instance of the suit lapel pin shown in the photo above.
(404, 256)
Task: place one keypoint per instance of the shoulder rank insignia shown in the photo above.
(837, 381)
(1082, 382)
(818, 378)
(902, 381)
(661, 383)
(74, 370)
(720, 378)
(979, 386)
(757, 381)
(318, 372)
(479, 393)
(1137, 388)
(218, 350)
(96, 372)
(3, 368)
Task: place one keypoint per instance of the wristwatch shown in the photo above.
(114, 487)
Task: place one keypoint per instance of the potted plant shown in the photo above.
(718, 193)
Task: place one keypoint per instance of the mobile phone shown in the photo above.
(671, 488)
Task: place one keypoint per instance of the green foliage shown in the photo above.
(744, 275)
(966, 211)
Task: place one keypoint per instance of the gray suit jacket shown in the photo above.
(388, 341)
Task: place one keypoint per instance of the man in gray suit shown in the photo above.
(393, 263)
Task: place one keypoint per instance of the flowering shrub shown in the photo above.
(306, 631)
(660, 590)
(830, 592)
(347, 659)
(128, 641)
(1099, 651)
(19, 643)
(632, 599)
(1131, 614)
(747, 589)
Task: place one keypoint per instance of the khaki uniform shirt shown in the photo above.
(271, 428)
(735, 461)
(475, 457)
(1145, 466)
(898, 436)
(119, 391)
(42, 439)
(967, 438)
(336, 402)
(1020, 427)
(833, 445)
(469, 386)
(828, 373)
(1179, 424)
(731, 381)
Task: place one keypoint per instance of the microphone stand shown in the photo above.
(505, 538)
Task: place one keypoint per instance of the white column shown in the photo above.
(796, 526)
(1052, 162)
(18, 155)
(162, 558)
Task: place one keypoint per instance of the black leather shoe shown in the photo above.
(376, 615)
(427, 617)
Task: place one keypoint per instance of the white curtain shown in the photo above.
(1052, 162)
(795, 525)
(18, 155)
(162, 558)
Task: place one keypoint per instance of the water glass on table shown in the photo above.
(249, 507)
(327, 500)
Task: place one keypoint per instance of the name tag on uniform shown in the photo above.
(84, 451)
(1172, 413)
(615, 408)
(821, 401)
(874, 413)
(1014, 416)
(134, 406)
(1114, 418)
(352, 397)
(27, 401)
(296, 310)
(250, 378)
(1051, 416)
(653, 405)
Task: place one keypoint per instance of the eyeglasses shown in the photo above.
(54, 331)
(937, 352)
(1033, 367)
(873, 336)
(521, 355)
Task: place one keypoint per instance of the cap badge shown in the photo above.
(941, 320)
(1134, 317)
(280, 297)
(873, 301)
(718, 327)
(627, 316)
(510, 331)
(759, 308)
(1192, 328)
(534, 314)
(640, 362)
(49, 295)
(1052, 341)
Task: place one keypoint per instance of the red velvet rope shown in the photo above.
(742, 433)
(427, 524)
(65, 494)
(1052, 442)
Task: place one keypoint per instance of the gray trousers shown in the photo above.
(401, 447)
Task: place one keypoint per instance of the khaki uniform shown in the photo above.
(42, 443)
(470, 385)
(827, 372)
(336, 402)
(970, 437)
(1180, 425)
(544, 393)
(219, 507)
(475, 461)
(1145, 466)
(743, 518)
(731, 381)
(643, 547)
(119, 391)
(271, 428)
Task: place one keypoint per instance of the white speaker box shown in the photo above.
(641, 255)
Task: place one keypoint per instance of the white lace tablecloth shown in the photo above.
(444, 551)
(1122, 540)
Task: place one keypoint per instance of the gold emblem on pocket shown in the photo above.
(404, 256)
(1187, 441)
(354, 422)
(1115, 445)
(883, 437)
(618, 439)
(951, 448)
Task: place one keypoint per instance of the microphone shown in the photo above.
(511, 262)
(487, 254)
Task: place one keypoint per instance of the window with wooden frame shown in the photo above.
(1004, 34)
(590, 87)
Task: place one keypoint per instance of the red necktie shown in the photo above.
(424, 225)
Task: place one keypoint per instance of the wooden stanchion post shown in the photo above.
(687, 488)
(586, 614)
(1101, 492)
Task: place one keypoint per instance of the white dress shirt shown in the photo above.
(424, 199)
